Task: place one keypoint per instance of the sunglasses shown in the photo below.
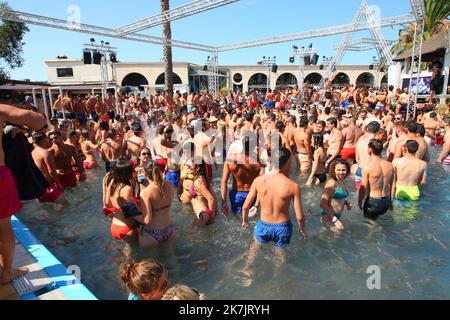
(145, 154)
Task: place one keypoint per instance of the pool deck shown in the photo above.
(48, 278)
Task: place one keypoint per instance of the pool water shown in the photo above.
(411, 246)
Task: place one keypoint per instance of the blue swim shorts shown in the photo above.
(280, 233)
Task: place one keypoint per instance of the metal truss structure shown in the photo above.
(373, 25)
(104, 50)
(180, 12)
(301, 54)
(420, 15)
(364, 44)
(378, 42)
(212, 64)
(322, 32)
(42, 21)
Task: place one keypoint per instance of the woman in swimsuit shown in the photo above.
(88, 149)
(156, 200)
(117, 192)
(335, 194)
(194, 188)
(318, 172)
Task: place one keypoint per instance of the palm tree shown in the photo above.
(167, 34)
(437, 13)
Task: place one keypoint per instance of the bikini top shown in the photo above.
(187, 176)
(341, 194)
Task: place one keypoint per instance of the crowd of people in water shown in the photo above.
(162, 149)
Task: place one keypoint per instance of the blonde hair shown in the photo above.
(182, 292)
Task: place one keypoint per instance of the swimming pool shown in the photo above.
(411, 245)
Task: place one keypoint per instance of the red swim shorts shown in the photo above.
(209, 171)
(68, 180)
(348, 153)
(9, 198)
(51, 194)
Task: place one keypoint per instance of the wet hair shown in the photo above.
(322, 123)
(142, 277)
(376, 147)
(373, 127)
(249, 117)
(272, 116)
(84, 135)
(292, 119)
(153, 172)
(38, 137)
(136, 127)
(327, 110)
(411, 126)
(421, 130)
(303, 122)
(333, 121)
(55, 133)
(318, 140)
(191, 132)
(249, 140)
(202, 171)
(120, 176)
(112, 133)
(334, 164)
(72, 133)
(160, 129)
(279, 125)
(181, 292)
(433, 115)
(412, 146)
(283, 155)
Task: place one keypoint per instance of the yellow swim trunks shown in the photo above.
(407, 193)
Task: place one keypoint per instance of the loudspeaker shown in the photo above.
(371, 67)
(274, 68)
(205, 68)
(321, 67)
(291, 60)
(113, 57)
(315, 59)
(307, 60)
(97, 57)
(87, 57)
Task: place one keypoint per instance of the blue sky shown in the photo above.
(238, 22)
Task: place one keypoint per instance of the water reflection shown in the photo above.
(410, 244)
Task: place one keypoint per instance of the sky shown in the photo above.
(241, 21)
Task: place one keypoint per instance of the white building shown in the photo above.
(69, 72)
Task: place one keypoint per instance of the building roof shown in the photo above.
(435, 45)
